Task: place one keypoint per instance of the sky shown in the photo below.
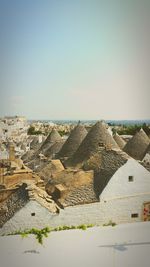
(75, 59)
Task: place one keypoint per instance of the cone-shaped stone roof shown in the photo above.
(35, 144)
(148, 150)
(120, 142)
(53, 137)
(105, 163)
(137, 145)
(146, 159)
(28, 155)
(54, 149)
(74, 140)
(97, 137)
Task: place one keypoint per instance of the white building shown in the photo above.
(125, 195)
(123, 187)
(14, 128)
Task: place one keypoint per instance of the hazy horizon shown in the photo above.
(76, 119)
(75, 60)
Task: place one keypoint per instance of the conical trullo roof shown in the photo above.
(28, 155)
(137, 145)
(37, 141)
(148, 150)
(72, 143)
(104, 164)
(53, 137)
(146, 159)
(120, 142)
(97, 137)
(54, 149)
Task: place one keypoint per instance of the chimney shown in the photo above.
(11, 152)
(108, 147)
(1, 175)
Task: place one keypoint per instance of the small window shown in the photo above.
(130, 178)
(101, 144)
(33, 214)
(134, 215)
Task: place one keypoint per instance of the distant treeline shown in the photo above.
(132, 129)
(32, 131)
(120, 129)
(62, 133)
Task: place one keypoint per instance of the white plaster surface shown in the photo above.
(119, 185)
(118, 201)
(117, 210)
(120, 246)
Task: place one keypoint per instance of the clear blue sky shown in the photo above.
(75, 59)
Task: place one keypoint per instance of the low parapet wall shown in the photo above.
(115, 210)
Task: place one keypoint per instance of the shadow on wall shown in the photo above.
(123, 247)
(101, 179)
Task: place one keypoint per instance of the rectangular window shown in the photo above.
(134, 215)
(130, 178)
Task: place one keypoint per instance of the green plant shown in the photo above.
(110, 223)
(82, 226)
(62, 133)
(132, 129)
(65, 227)
(24, 235)
(41, 233)
(32, 131)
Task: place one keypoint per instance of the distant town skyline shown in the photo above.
(75, 59)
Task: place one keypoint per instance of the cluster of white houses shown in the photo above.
(92, 177)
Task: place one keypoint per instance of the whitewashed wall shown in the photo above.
(119, 185)
(23, 220)
(117, 210)
(119, 200)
